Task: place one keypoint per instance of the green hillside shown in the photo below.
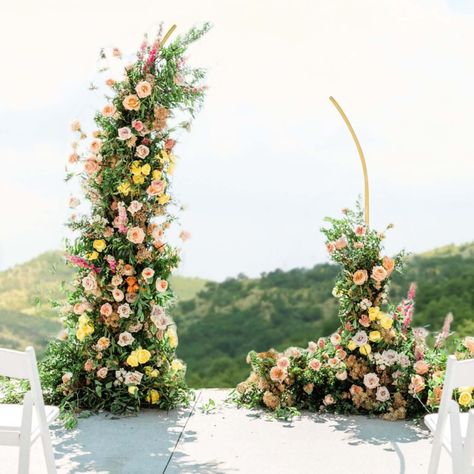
(26, 293)
(220, 322)
(282, 309)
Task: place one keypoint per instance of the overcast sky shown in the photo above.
(269, 156)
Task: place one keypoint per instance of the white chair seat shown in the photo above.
(431, 422)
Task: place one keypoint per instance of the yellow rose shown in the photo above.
(177, 365)
(93, 255)
(83, 319)
(154, 373)
(80, 334)
(352, 345)
(164, 199)
(99, 245)
(172, 338)
(145, 169)
(156, 175)
(132, 359)
(143, 356)
(374, 313)
(165, 157)
(136, 168)
(171, 168)
(153, 397)
(124, 189)
(465, 399)
(365, 349)
(132, 390)
(375, 336)
(138, 179)
(386, 322)
(466, 389)
(88, 329)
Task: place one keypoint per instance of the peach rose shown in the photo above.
(359, 245)
(102, 372)
(184, 235)
(421, 367)
(161, 285)
(156, 187)
(360, 277)
(364, 320)
(131, 102)
(329, 400)
(73, 158)
(341, 243)
(66, 378)
(96, 145)
(278, 374)
(379, 273)
(417, 384)
(89, 365)
(283, 362)
(91, 167)
(106, 309)
(388, 264)
(76, 126)
(117, 294)
(148, 273)
(109, 110)
(359, 230)
(128, 270)
(330, 247)
(142, 151)
(271, 400)
(136, 235)
(74, 202)
(109, 82)
(143, 89)
(315, 365)
(103, 343)
(468, 343)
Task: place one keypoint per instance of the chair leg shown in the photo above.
(25, 435)
(48, 453)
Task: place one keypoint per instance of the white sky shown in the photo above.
(269, 156)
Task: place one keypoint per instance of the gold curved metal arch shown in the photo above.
(361, 156)
(168, 34)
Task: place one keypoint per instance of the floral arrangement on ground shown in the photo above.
(117, 351)
(376, 362)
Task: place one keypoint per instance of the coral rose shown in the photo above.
(156, 187)
(143, 89)
(388, 264)
(360, 277)
(136, 235)
(131, 102)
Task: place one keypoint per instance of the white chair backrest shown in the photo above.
(22, 365)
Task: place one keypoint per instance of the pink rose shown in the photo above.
(161, 285)
(124, 310)
(96, 145)
(137, 125)
(124, 133)
(184, 235)
(364, 320)
(283, 362)
(359, 230)
(66, 378)
(89, 365)
(330, 247)
(134, 207)
(156, 187)
(341, 243)
(382, 394)
(371, 380)
(142, 151)
(102, 372)
(125, 339)
(315, 365)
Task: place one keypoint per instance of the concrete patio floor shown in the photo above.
(229, 440)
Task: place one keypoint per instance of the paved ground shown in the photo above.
(230, 440)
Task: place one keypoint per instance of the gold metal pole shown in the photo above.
(168, 34)
(361, 156)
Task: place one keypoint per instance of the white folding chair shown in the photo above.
(22, 425)
(453, 430)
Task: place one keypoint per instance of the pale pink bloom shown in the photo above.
(333, 362)
(315, 364)
(96, 145)
(160, 320)
(341, 354)
(382, 394)
(89, 283)
(142, 151)
(109, 110)
(184, 235)
(329, 400)
(108, 232)
(125, 339)
(335, 339)
(360, 338)
(74, 202)
(88, 365)
(124, 310)
(157, 310)
(390, 357)
(341, 375)
(157, 233)
(143, 89)
(161, 285)
(371, 380)
(359, 245)
(124, 133)
(404, 360)
(66, 378)
(137, 125)
(379, 273)
(341, 243)
(79, 308)
(117, 294)
(148, 273)
(421, 367)
(106, 309)
(117, 280)
(156, 187)
(76, 126)
(365, 303)
(134, 207)
(283, 362)
(136, 235)
(359, 230)
(277, 374)
(131, 297)
(135, 327)
(293, 352)
(102, 372)
(312, 346)
(420, 333)
(330, 247)
(133, 378)
(116, 53)
(321, 342)
(364, 320)
(91, 167)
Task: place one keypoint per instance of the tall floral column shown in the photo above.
(118, 348)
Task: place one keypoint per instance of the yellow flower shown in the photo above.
(374, 313)
(145, 169)
(386, 321)
(88, 329)
(164, 199)
(143, 356)
(154, 373)
(124, 188)
(99, 245)
(375, 336)
(172, 338)
(177, 365)
(165, 157)
(156, 175)
(466, 389)
(132, 359)
(93, 255)
(352, 345)
(365, 349)
(83, 319)
(171, 168)
(136, 168)
(465, 399)
(153, 397)
(80, 334)
(132, 389)
(138, 179)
